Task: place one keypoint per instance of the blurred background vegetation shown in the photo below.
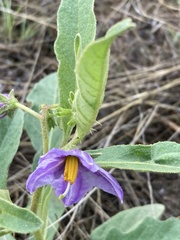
(142, 101)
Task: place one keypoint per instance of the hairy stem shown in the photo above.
(29, 110)
(73, 143)
(38, 196)
(44, 130)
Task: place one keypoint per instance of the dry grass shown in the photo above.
(142, 103)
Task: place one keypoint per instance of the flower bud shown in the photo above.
(2, 105)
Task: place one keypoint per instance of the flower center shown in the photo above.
(71, 169)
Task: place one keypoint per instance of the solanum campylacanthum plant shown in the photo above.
(81, 80)
(63, 103)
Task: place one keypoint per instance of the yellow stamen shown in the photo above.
(71, 169)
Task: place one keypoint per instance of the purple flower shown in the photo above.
(72, 174)
(2, 105)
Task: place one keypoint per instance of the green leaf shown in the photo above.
(91, 76)
(10, 133)
(56, 209)
(76, 28)
(6, 236)
(17, 219)
(159, 157)
(134, 224)
(126, 221)
(49, 208)
(4, 194)
(44, 92)
(42, 209)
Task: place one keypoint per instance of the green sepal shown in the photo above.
(63, 112)
(9, 104)
(51, 122)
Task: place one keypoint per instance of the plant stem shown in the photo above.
(35, 204)
(37, 197)
(44, 130)
(26, 109)
(73, 143)
(35, 200)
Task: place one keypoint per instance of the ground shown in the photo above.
(141, 102)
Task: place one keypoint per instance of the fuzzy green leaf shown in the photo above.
(5, 235)
(76, 28)
(127, 221)
(17, 219)
(4, 194)
(91, 76)
(10, 133)
(138, 223)
(56, 209)
(159, 157)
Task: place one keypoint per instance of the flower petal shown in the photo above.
(53, 154)
(101, 179)
(59, 185)
(107, 183)
(77, 190)
(45, 173)
(98, 177)
(84, 182)
(74, 194)
(51, 171)
(86, 160)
